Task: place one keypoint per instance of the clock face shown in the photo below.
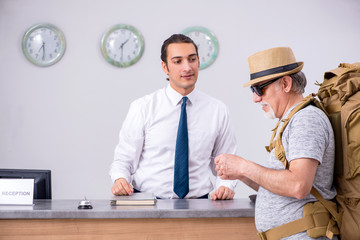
(43, 44)
(206, 42)
(122, 45)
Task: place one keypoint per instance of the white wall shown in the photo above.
(66, 117)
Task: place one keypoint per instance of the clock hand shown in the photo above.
(121, 56)
(122, 48)
(43, 48)
(122, 45)
(43, 57)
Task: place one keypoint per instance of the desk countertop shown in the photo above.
(164, 208)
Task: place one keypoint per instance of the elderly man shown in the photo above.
(277, 84)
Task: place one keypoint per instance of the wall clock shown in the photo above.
(207, 43)
(43, 44)
(122, 45)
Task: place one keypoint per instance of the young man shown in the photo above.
(149, 141)
(277, 84)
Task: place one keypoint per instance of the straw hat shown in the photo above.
(272, 63)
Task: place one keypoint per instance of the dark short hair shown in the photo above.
(175, 38)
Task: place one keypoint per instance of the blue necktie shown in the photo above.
(181, 171)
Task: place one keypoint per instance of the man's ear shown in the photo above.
(286, 83)
(165, 68)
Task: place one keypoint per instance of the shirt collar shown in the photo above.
(175, 97)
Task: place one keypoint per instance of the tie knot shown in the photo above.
(185, 99)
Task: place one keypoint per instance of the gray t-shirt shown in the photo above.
(308, 135)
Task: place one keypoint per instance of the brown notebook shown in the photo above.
(136, 199)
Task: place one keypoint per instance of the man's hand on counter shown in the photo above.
(223, 193)
(122, 187)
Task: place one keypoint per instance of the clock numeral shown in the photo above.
(36, 55)
(55, 37)
(50, 55)
(57, 44)
(197, 34)
(30, 51)
(129, 58)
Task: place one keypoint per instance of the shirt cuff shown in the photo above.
(226, 183)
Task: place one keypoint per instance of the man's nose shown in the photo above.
(256, 98)
(187, 65)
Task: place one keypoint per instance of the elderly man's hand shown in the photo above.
(228, 166)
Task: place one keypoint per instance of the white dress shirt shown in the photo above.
(145, 153)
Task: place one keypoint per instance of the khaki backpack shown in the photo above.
(339, 98)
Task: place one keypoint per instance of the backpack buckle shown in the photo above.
(280, 156)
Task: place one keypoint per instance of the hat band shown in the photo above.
(274, 70)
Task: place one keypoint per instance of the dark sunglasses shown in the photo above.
(258, 88)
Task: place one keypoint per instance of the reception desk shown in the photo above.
(168, 219)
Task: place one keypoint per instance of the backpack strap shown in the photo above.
(326, 220)
(326, 204)
(291, 228)
(271, 146)
(277, 144)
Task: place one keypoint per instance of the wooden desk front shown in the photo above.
(169, 219)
